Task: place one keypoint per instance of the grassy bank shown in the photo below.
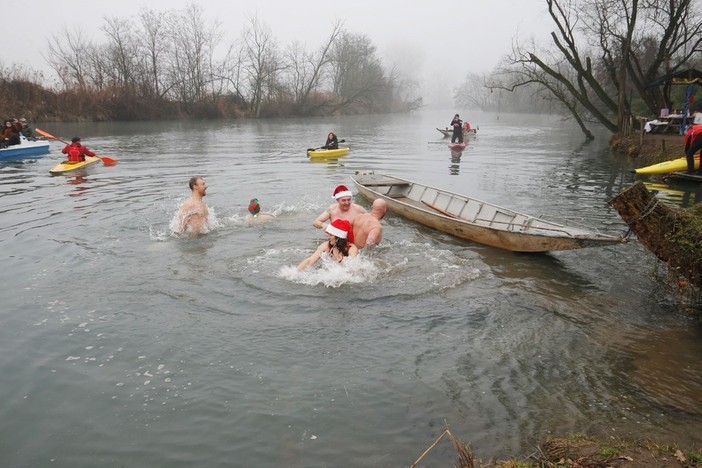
(577, 450)
(649, 149)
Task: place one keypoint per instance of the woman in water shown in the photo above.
(337, 245)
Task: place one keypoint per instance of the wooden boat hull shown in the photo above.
(328, 153)
(666, 167)
(25, 150)
(475, 220)
(67, 167)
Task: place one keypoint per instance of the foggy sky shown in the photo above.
(437, 41)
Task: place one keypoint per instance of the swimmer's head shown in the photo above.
(254, 206)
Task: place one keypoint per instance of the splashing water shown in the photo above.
(211, 224)
(332, 274)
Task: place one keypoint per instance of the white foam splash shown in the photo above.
(332, 274)
(211, 224)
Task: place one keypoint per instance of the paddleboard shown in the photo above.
(666, 167)
(70, 166)
(457, 145)
(328, 153)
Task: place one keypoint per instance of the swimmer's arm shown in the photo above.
(353, 251)
(319, 222)
(312, 259)
(373, 237)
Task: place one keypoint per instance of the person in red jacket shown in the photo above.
(693, 144)
(75, 151)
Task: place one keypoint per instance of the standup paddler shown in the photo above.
(193, 213)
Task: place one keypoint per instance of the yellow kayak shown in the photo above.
(70, 166)
(328, 153)
(666, 167)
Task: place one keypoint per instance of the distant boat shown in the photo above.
(476, 220)
(448, 132)
(25, 150)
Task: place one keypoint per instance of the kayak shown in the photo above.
(70, 166)
(328, 153)
(457, 145)
(666, 167)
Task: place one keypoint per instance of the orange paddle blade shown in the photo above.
(108, 161)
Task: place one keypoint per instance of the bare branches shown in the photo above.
(171, 58)
(602, 51)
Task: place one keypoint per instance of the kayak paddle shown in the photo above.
(105, 160)
(323, 147)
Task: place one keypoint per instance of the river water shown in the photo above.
(123, 344)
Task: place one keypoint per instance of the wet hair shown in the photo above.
(193, 181)
(342, 246)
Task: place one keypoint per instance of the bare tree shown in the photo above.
(191, 57)
(357, 72)
(306, 70)
(473, 93)
(674, 30)
(154, 46)
(262, 62)
(121, 53)
(600, 54)
(68, 55)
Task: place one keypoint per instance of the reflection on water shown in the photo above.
(678, 193)
(455, 161)
(145, 336)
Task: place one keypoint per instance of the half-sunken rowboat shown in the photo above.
(476, 220)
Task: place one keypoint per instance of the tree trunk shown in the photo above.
(657, 227)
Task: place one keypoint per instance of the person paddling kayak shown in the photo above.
(76, 152)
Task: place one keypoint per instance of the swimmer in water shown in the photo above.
(255, 215)
(337, 245)
(344, 208)
(367, 228)
(193, 213)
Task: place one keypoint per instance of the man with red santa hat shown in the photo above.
(344, 208)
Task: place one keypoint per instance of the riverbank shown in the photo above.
(648, 149)
(580, 450)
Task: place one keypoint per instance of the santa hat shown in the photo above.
(254, 207)
(339, 228)
(341, 191)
